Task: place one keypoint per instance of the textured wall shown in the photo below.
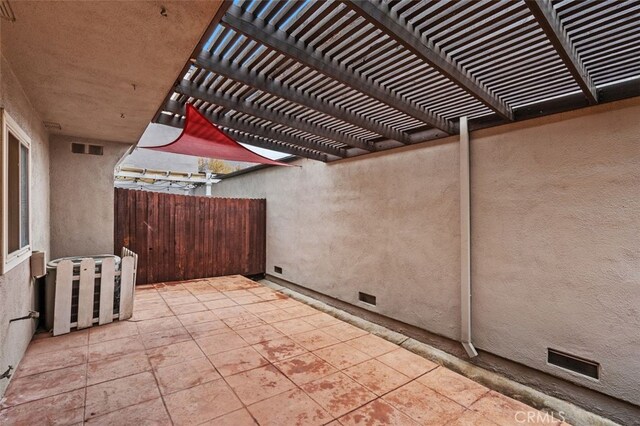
(555, 231)
(16, 286)
(82, 197)
(556, 242)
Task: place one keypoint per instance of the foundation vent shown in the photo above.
(573, 363)
(51, 125)
(81, 148)
(277, 269)
(367, 298)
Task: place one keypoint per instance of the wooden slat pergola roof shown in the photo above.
(332, 79)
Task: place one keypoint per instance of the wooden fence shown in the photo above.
(180, 237)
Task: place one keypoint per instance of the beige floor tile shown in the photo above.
(115, 330)
(245, 320)
(210, 296)
(237, 418)
(115, 348)
(63, 409)
(186, 299)
(185, 375)
(342, 355)
(258, 384)
(257, 308)
(471, 418)
(159, 324)
(220, 303)
(115, 368)
(230, 312)
(209, 328)
(174, 354)
(259, 334)
(305, 368)
(344, 331)
(372, 345)
(293, 326)
(165, 337)
(338, 394)
(197, 317)
(300, 311)
(221, 342)
(116, 394)
(37, 363)
(44, 342)
(145, 413)
(147, 314)
(424, 405)
(42, 385)
(453, 385)
(506, 411)
(407, 363)
(376, 376)
(321, 320)
(201, 403)
(237, 360)
(314, 339)
(233, 294)
(279, 349)
(188, 308)
(294, 408)
(274, 316)
(377, 413)
(247, 300)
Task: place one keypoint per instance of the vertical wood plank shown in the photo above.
(126, 287)
(86, 293)
(62, 298)
(107, 279)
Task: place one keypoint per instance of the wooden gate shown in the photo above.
(181, 237)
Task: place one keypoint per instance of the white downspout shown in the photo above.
(465, 241)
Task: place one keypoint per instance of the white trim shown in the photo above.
(10, 260)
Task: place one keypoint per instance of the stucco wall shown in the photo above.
(555, 231)
(82, 197)
(16, 286)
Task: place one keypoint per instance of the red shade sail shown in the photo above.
(201, 138)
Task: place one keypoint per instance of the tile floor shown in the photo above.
(229, 351)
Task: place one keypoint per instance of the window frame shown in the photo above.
(8, 260)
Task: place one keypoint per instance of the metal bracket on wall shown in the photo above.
(7, 374)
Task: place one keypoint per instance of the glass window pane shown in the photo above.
(24, 196)
(13, 193)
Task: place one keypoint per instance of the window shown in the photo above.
(16, 212)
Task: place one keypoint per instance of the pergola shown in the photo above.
(333, 79)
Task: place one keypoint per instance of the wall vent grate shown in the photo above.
(277, 269)
(573, 363)
(80, 148)
(367, 298)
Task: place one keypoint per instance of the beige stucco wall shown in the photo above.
(555, 232)
(82, 197)
(16, 287)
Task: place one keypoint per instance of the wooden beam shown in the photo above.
(259, 81)
(258, 30)
(222, 9)
(379, 14)
(548, 20)
(270, 139)
(227, 101)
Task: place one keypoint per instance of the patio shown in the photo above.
(229, 351)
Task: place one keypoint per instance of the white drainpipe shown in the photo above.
(465, 241)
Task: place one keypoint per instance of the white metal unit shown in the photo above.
(108, 276)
